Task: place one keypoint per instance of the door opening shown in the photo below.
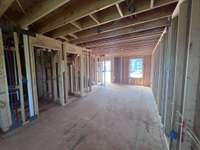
(107, 71)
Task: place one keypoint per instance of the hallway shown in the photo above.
(109, 118)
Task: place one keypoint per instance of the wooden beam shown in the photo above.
(46, 42)
(132, 29)
(124, 49)
(62, 18)
(126, 22)
(67, 29)
(152, 4)
(148, 16)
(4, 5)
(40, 10)
(137, 35)
(113, 52)
(5, 113)
(73, 35)
(62, 38)
(16, 41)
(94, 18)
(29, 74)
(151, 14)
(128, 44)
(119, 10)
(77, 25)
(125, 40)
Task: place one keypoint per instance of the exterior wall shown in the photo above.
(121, 71)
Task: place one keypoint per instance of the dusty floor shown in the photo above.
(110, 118)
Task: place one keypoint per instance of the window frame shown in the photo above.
(131, 70)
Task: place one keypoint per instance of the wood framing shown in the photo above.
(38, 11)
(16, 40)
(152, 15)
(46, 42)
(4, 5)
(57, 21)
(123, 38)
(131, 29)
(109, 21)
(5, 113)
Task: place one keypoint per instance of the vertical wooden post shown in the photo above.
(28, 75)
(34, 83)
(66, 77)
(54, 61)
(5, 113)
(81, 75)
(19, 76)
(61, 82)
(90, 71)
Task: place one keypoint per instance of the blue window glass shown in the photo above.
(136, 68)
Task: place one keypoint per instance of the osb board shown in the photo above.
(46, 42)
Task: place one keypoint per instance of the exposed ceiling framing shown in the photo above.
(4, 5)
(92, 23)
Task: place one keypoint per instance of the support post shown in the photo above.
(19, 76)
(90, 71)
(28, 75)
(34, 83)
(5, 113)
(61, 82)
(81, 75)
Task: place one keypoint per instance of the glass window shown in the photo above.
(136, 68)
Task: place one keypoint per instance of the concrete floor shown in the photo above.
(110, 118)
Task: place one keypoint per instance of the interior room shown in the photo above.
(99, 74)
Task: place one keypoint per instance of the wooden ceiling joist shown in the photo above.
(92, 16)
(77, 25)
(132, 29)
(152, 15)
(40, 10)
(119, 49)
(167, 6)
(69, 28)
(119, 10)
(4, 5)
(148, 46)
(119, 42)
(61, 19)
(62, 38)
(137, 35)
(116, 52)
(128, 44)
(73, 35)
